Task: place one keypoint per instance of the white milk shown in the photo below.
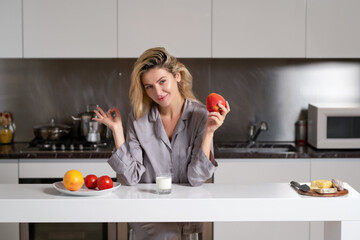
(163, 184)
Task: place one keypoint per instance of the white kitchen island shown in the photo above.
(210, 202)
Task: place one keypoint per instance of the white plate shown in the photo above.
(84, 191)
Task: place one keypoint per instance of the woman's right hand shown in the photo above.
(114, 123)
(111, 121)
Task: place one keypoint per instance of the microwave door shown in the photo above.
(343, 127)
(341, 132)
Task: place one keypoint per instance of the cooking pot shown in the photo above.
(84, 119)
(51, 131)
(87, 125)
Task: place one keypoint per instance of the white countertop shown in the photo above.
(210, 202)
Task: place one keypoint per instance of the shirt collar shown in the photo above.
(188, 109)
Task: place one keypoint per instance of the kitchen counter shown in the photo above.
(11, 150)
(301, 151)
(17, 151)
(210, 202)
(14, 151)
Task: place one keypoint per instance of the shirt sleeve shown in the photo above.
(127, 160)
(200, 167)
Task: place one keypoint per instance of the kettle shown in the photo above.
(93, 133)
(90, 129)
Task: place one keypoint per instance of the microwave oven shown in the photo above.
(334, 126)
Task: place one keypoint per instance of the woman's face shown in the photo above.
(161, 86)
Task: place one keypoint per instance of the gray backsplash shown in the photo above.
(273, 90)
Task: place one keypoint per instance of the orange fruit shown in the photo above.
(73, 180)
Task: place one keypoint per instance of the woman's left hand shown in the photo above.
(216, 119)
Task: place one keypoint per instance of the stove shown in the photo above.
(67, 145)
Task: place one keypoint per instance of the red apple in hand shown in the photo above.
(212, 102)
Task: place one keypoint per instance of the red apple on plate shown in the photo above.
(212, 102)
(91, 181)
(104, 182)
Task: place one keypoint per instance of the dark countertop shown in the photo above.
(300, 151)
(13, 151)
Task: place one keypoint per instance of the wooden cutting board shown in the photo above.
(312, 193)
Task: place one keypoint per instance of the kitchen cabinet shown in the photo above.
(253, 171)
(10, 29)
(70, 29)
(345, 169)
(9, 170)
(333, 29)
(56, 168)
(182, 27)
(188, 29)
(9, 174)
(259, 29)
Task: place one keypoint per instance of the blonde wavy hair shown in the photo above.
(156, 58)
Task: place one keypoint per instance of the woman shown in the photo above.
(168, 131)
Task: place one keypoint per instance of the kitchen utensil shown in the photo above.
(51, 131)
(303, 187)
(300, 131)
(313, 193)
(84, 191)
(93, 137)
(325, 190)
(94, 133)
(85, 119)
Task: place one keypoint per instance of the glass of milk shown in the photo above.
(163, 183)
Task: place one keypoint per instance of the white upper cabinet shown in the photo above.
(259, 28)
(70, 29)
(10, 29)
(186, 28)
(182, 27)
(333, 29)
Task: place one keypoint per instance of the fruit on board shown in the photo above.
(212, 101)
(104, 182)
(73, 180)
(321, 184)
(91, 181)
